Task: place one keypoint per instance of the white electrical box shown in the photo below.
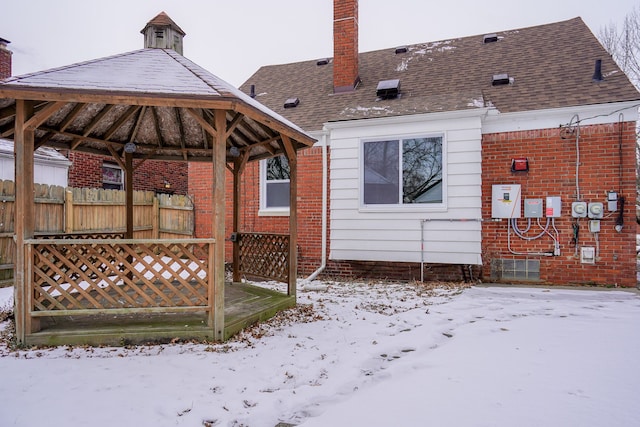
(533, 208)
(505, 201)
(553, 207)
(588, 255)
(594, 226)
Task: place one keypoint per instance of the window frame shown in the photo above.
(395, 207)
(115, 167)
(264, 209)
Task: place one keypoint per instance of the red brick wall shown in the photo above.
(309, 206)
(86, 172)
(5, 63)
(345, 44)
(552, 162)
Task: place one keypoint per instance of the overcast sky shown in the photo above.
(232, 39)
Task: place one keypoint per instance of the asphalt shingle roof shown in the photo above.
(551, 65)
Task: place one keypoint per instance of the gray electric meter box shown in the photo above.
(505, 201)
(533, 208)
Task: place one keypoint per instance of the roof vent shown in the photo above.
(500, 79)
(401, 49)
(597, 74)
(490, 38)
(252, 92)
(388, 89)
(323, 61)
(291, 103)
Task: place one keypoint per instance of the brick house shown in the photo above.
(94, 171)
(506, 157)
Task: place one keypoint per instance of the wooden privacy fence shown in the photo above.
(88, 211)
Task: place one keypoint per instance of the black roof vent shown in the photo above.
(500, 79)
(597, 74)
(252, 92)
(323, 61)
(490, 38)
(291, 103)
(388, 89)
(401, 49)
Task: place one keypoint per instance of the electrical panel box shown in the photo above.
(533, 208)
(579, 209)
(505, 201)
(553, 207)
(596, 210)
(594, 226)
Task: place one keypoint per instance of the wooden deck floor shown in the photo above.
(244, 305)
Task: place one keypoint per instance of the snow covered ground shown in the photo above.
(356, 354)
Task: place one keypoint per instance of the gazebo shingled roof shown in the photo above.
(155, 98)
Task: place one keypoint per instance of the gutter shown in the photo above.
(325, 166)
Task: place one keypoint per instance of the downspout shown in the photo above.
(323, 256)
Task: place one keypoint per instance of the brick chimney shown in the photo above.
(345, 46)
(5, 59)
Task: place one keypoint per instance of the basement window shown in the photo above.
(112, 177)
(515, 269)
(274, 186)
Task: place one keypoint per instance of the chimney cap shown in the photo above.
(4, 41)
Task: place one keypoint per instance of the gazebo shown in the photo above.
(145, 104)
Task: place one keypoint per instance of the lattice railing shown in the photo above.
(265, 255)
(87, 276)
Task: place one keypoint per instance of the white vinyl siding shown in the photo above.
(393, 233)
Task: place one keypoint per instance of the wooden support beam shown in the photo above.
(238, 168)
(41, 116)
(219, 172)
(24, 218)
(292, 158)
(128, 184)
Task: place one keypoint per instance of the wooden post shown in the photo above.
(219, 170)
(68, 211)
(128, 184)
(237, 194)
(238, 168)
(292, 158)
(24, 218)
(156, 218)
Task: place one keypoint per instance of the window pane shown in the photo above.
(422, 170)
(277, 194)
(381, 175)
(277, 168)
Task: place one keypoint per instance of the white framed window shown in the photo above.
(403, 172)
(274, 186)
(112, 177)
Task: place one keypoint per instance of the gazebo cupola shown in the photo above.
(162, 33)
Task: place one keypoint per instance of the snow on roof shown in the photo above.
(46, 154)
